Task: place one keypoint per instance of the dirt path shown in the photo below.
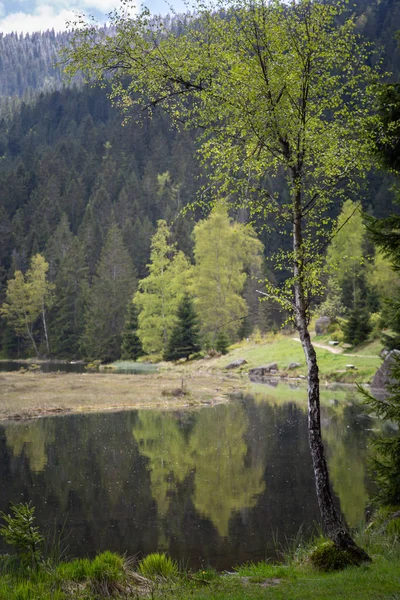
(336, 350)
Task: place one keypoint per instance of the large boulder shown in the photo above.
(260, 372)
(235, 364)
(321, 325)
(383, 376)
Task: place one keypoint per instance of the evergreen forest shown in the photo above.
(109, 246)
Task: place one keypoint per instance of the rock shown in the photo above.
(321, 325)
(260, 372)
(293, 365)
(383, 376)
(235, 364)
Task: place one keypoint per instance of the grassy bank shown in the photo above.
(333, 365)
(158, 578)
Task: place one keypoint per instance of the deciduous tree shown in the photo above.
(223, 251)
(27, 298)
(277, 89)
(160, 293)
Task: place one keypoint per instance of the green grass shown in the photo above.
(379, 581)
(109, 576)
(158, 565)
(284, 350)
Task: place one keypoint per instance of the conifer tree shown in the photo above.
(131, 347)
(184, 338)
(385, 463)
(113, 285)
(159, 294)
(67, 316)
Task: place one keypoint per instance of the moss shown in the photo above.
(328, 557)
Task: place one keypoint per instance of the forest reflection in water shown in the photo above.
(219, 486)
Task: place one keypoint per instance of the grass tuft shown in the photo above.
(158, 566)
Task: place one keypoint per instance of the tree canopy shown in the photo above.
(276, 89)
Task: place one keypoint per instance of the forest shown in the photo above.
(108, 245)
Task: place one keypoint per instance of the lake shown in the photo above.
(214, 486)
(124, 367)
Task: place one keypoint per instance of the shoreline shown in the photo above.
(31, 395)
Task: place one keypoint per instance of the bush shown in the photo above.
(19, 531)
(158, 565)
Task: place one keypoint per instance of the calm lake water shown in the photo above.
(65, 367)
(220, 485)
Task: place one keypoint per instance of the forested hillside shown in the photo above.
(76, 183)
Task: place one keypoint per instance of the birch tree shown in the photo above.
(27, 298)
(278, 89)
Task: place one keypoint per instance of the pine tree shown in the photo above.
(222, 342)
(113, 285)
(184, 338)
(357, 328)
(385, 464)
(131, 347)
(67, 316)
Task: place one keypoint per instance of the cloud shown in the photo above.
(53, 14)
(42, 18)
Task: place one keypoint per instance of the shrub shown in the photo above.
(19, 531)
(158, 565)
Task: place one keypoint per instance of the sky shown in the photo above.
(26, 16)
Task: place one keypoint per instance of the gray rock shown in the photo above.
(235, 364)
(260, 372)
(293, 365)
(321, 325)
(383, 376)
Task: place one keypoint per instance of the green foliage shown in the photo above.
(158, 566)
(184, 338)
(357, 328)
(20, 532)
(112, 287)
(160, 294)
(222, 342)
(327, 557)
(131, 347)
(385, 463)
(223, 251)
(27, 298)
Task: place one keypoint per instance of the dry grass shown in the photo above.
(26, 395)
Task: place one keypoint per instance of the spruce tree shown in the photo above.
(385, 464)
(184, 338)
(113, 285)
(131, 347)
